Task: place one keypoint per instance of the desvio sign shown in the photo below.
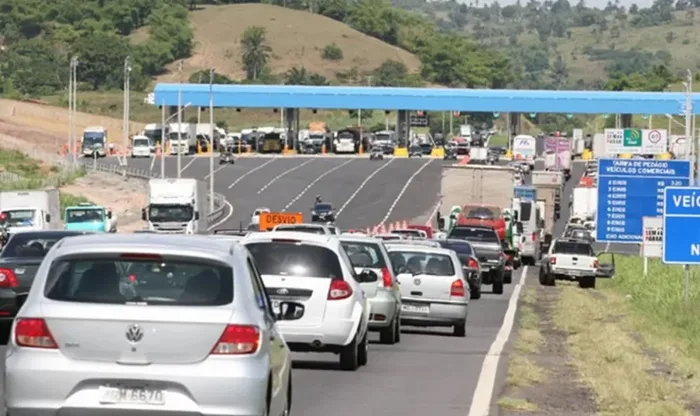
(269, 220)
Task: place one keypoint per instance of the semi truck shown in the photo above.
(584, 204)
(477, 189)
(30, 210)
(182, 138)
(177, 206)
(90, 217)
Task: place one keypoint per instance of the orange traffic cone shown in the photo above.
(382, 229)
(405, 224)
(375, 230)
(391, 227)
(397, 225)
(368, 231)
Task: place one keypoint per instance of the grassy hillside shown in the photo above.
(297, 39)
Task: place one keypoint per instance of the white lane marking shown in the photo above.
(240, 178)
(229, 215)
(434, 212)
(362, 185)
(153, 162)
(215, 170)
(188, 164)
(267, 185)
(315, 181)
(481, 401)
(607, 246)
(403, 191)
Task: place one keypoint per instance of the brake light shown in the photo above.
(457, 288)
(509, 257)
(553, 260)
(472, 263)
(340, 289)
(386, 278)
(140, 256)
(595, 264)
(238, 340)
(7, 278)
(33, 333)
(534, 236)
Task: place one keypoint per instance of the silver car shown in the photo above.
(148, 324)
(434, 290)
(384, 295)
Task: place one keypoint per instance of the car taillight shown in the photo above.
(7, 278)
(237, 340)
(472, 264)
(386, 278)
(595, 264)
(501, 256)
(33, 333)
(509, 257)
(553, 260)
(534, 236)
(457, 288)
(340, 289)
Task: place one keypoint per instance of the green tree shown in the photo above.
(256, 51)
(101, 58)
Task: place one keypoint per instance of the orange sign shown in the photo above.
(269, 220)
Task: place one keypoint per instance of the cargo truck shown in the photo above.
(558, 155)
(30, 210)
(483, 192)
(549, 188)
(584, 204)
(177, 206)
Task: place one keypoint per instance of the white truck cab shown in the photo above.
(30, 210)
(94, 142)
(176, 206)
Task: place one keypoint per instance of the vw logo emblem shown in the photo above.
(282, 291)
(134, 333)
(416, 282)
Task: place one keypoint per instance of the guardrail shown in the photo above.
(219, 199)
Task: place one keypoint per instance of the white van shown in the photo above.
(527, 241)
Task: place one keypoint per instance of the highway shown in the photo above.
(430, 371)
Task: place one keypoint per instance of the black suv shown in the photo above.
(488, 249)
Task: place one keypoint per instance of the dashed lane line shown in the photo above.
(359, 189)
(240, 178)
(267, 185)
(403, 191)
(315, 181)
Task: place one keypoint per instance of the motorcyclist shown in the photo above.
(318, 199)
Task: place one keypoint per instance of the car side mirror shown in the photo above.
(367, 276)
(290, 311)
(109, 214)
(144, 217)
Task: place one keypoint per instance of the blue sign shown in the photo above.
(629, 189)
(526, 193)
(681, 232)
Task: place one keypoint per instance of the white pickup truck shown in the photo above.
(574, 260)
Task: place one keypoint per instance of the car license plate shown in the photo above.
(131, 395)
(415, 309)
(485, 269)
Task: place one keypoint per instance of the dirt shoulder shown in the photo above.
(625, 348)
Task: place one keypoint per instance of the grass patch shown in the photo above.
(517, 404)
(655, 308)
(610, 361)
(522, 371)
(20, 172)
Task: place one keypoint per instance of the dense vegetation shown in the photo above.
(459, 45)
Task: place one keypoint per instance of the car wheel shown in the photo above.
(397, 333)
(363, 349)
(475, 292)
(587, 283)
(508, 278)
(460, 329)
(348, 355)
(498, 288)
(388, 335)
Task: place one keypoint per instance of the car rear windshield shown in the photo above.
(414, 262)
(481, 235)
(294, 259)
(364, 254)
(525, 211)
(302, 229)
(566, 247)
(143, 282)
(458, 246)
(32, 245)
(323, 207)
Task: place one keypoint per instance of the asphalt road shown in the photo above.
(430, 371)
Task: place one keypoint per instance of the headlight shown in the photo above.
(313, 213)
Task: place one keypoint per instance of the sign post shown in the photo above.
(681, 223)
(652, 244)
(269, 220)
(630, 189)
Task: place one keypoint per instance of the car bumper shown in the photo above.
(438, 313)
(383, 304)
(9, 304)
(330, 332)
(571, 274)
(215, 386)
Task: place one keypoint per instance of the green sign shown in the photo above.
(496, 115)
(569, 116)
(632, 138)
(533, 115)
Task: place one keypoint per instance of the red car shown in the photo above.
(485, 215)
(426, 228)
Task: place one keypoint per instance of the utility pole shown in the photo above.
(72, 104)
(211, 140)
(127, 88)
(688, 110)
(199, 109)
(179, 121)
(162, 139)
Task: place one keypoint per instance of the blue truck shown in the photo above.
(89, 217)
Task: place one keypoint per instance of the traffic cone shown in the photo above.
(464, 160)
(405, 224)
(391, 227)
(375, 230)
(323, 149)
(397, 225)
(382, 229)
(199, 148)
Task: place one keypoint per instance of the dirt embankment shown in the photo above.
(40, 131)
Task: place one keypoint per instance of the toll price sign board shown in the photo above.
(631, 189)
(681, 223)
(269, 220)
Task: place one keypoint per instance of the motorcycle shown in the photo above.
(227, 157)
